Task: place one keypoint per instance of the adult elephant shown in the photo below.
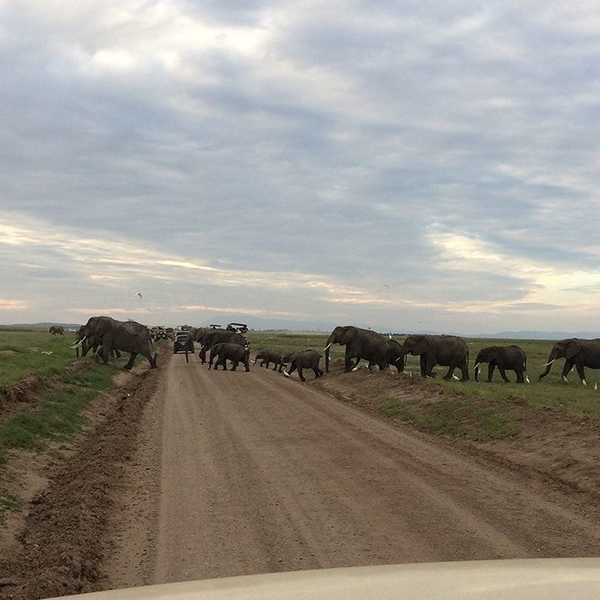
(56, 330)
(578, 353)
(506, 358)
(446, 350)
(112, 335)
(218, 336)
(360, 344)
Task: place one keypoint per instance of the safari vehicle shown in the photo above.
(183, 342)
(550, 579)
(237, 327)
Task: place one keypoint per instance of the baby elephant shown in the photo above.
(229, 351)
(307, 359)
(267, 357)
(506, 358)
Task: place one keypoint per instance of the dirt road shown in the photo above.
(242, 473)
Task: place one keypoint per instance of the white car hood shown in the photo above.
(544, 579)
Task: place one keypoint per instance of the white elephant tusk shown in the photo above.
(286, 373)
(79, 342)
(584, 382)
(549, 363)
(596, 386)
(455, 378)
(565, 379)
(356, 368)
(527, 379)
(328, 346)
(476, 366)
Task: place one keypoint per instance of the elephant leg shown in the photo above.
(423, 365)
(491, 367)
(347, 361)
(520, 376)
(291, 369)
(503, 374)
(300, 374)
(581, 372)
(275, 366)
(450, 373)
(235, 364)
(317, 372)
(131, 360)
(566, 370)
(224, 363)
(465, 372)
(247, 365)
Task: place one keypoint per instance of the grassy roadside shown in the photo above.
(25, 353)
(474, 411)
(57, 416)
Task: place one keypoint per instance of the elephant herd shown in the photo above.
(107, 337)
(452, 352)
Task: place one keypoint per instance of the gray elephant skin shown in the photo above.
(267, 357)
(360, 344)
(578, 353)
(56, 330)
(223, 352)
(305, 359)
(218, 336)
(505, 358)
(445, 350)
(112, 335)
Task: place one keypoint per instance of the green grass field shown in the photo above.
(21, 355)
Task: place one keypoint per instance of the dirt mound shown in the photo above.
(61, 544)
(23, 391)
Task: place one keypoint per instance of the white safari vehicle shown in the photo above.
(543, 579)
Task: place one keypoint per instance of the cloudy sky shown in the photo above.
(401, 165)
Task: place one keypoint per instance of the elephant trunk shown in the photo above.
(327, 350)
(548, 364)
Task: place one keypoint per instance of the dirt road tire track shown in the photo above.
(258, 474)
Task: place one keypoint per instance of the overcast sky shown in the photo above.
(401, 165)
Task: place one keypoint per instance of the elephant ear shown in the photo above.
(573, 349)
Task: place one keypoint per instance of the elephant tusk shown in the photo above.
(455, 378)
(549, 363)
(596, 386)
(328, 346)
(79, 342)
(286, 373)
(584, 382)
(527, 379)
(476, 366)
(564, 379)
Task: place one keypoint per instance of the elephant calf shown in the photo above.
(229, 351)
(267, 357)
(506, 358)
(307, 359)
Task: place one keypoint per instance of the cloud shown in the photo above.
(7, 304)
(391, 164)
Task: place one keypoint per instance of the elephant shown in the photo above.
(577, 352)
(232, 351)
(112, 335)
(445, 350)
(506, 358)
(56, 330)
(360, 343)
(306, 359)
(267, 357)
(218, 336)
